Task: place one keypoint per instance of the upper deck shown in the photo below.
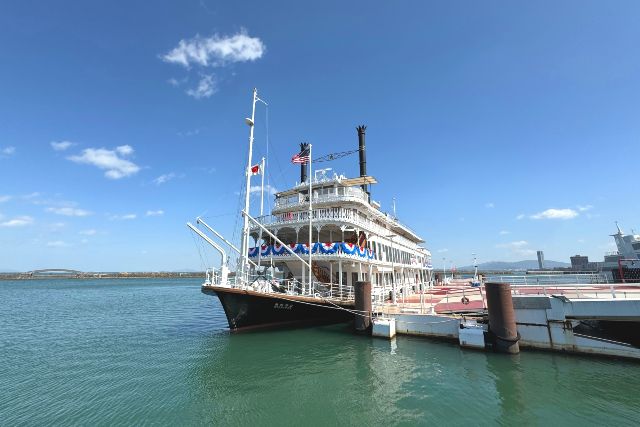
(334, 200)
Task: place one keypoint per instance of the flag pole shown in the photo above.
(244, 267)
(310, 221)
(261, 210)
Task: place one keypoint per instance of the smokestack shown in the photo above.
(363, 155)
(303, 166)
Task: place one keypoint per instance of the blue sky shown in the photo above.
(499, 127)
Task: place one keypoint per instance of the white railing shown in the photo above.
(581, 290)
(296, 287)
(332, 214)
(350, 194)
(542, 279)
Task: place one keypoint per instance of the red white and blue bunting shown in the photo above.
(318, 248)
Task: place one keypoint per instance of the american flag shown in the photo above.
(302, 157)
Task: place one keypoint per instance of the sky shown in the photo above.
(499, 127)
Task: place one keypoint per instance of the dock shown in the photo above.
(596, 319)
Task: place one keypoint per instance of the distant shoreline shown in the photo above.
(101, 275)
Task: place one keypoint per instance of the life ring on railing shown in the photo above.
(465, 300)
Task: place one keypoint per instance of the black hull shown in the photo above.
(246, 310)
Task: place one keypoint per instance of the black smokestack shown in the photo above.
(363, 154)
(304, 148)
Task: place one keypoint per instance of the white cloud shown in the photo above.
(206, 87)
(520, 216)
(489, 205)
(268, 189)
(4, 199)
(164, 178)
(61, 145)
(69, 211)
(89, 232)
(19, 221)
(443, 250)
(31, 195)
(216, 50)
(125, 150)
(555, 214)
(57, 226)
(7, 151)
(57, 244)
(175, 82)
(123, 217)
(155, 213)
(584, 208)
(504, 232)
(116, 166)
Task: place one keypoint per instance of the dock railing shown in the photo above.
(542, 279)
(468, 299)
(581, 290)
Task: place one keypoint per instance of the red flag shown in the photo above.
(255, 170)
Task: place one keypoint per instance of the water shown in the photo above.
(152, 351)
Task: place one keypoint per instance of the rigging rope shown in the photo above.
(334, 156)
(202, 262)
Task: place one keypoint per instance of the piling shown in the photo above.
(362, 316)
(502, 318)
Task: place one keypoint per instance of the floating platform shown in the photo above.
(595, 319)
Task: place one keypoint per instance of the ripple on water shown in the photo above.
(158, 352)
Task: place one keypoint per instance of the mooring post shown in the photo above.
(362, 317)
(502, 318)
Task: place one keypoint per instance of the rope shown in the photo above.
(202, 263)
(266, 120)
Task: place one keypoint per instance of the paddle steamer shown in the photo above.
(299, 264)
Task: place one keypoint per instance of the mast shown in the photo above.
(310, 213)
(244, 268)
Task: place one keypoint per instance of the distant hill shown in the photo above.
(531, 264)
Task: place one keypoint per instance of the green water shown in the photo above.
(151, 351)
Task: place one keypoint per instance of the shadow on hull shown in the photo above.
(249, 310)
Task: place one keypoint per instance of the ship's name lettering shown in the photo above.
(283, 306)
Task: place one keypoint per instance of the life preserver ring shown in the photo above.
(465, 300)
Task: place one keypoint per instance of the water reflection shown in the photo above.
(508, 380)
(331, 376)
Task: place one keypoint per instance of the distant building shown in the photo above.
(540, 260)
(579, 262)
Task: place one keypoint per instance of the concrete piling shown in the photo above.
(502, 319)
(362, 318)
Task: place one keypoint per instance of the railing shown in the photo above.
(350, 194)
(542, 279)
(332, 214)
(581, 290)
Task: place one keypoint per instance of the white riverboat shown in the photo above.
(300, 262)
